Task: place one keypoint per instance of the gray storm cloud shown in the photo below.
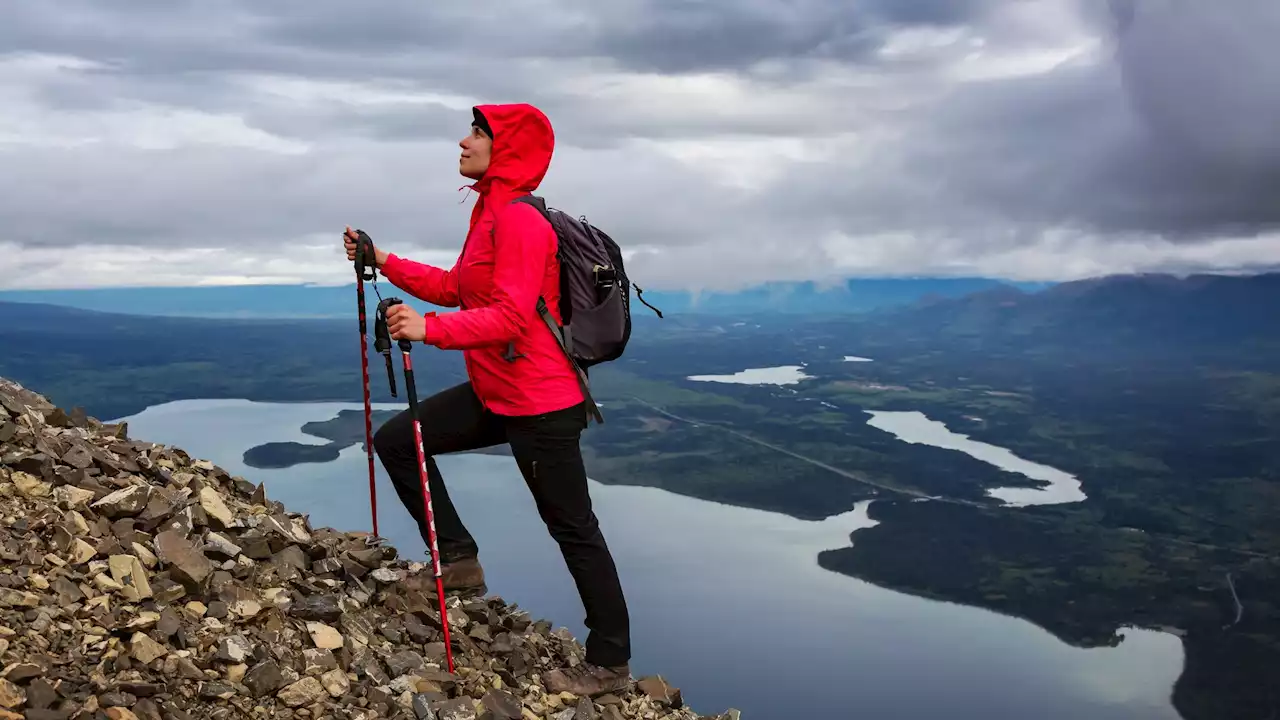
(1205, 77)
(882, 135)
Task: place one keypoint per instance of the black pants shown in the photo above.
(547, 452)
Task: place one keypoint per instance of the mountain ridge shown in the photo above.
(854, 296)
(336, 301)
(1193, 316)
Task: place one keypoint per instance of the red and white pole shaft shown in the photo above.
(412, 389)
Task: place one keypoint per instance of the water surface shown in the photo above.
(916, 427)
(781, 375)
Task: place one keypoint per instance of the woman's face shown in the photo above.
(474, 160)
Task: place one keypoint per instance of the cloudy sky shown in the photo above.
(725, 142)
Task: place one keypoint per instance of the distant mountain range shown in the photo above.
(1161, 315)
(1196, 309)
(316, 301)
(1162, 323)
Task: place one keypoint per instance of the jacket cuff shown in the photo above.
(432, 333)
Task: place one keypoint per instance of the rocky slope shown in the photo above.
(138, 582)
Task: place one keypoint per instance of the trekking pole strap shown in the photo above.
(382, 338)
(562, 335)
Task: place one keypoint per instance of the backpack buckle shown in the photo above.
(605, 278)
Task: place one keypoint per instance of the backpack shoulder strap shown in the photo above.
(566, 306)
(561, 336)
(538, 204)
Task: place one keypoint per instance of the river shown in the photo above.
(727, 603)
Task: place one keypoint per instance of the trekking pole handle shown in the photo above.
(366, 257)
(381, 333)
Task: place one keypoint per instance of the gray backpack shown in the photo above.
(595, 301)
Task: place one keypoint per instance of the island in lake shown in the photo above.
(342, 431)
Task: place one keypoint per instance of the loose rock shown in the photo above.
(139, 583)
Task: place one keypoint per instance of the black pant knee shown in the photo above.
(390, 441)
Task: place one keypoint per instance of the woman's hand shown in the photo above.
(349, 242)
(405, 323)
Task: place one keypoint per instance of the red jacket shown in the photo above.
(500, 275)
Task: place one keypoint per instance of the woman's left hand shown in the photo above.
(405, 323)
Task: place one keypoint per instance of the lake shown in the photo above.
(915, 427)
(727, 603)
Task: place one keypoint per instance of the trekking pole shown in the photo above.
(366, 261)
(412, 390)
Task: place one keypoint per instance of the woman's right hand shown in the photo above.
(349, 242)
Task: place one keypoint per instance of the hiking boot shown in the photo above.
(588, 680)
(463, 577)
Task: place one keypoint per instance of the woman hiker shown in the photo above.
(530, 398)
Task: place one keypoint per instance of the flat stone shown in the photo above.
(306, 691)
(264, 678)
(187, 564)
(317, 661)
(501, 705)
(323, 608)
(144, 649)
(11, 696)
(234, 649)
(246, 608)
(385, 575)
(125, 502)
(140, 689)
(166, 590)
(70, 497)
(18, 598)
(128, 571)
(215, 508)
(78, 457)
(41, 695)
(456, 709)
(216, 691)
(657, 688)
(420, 704)
(324, 636)
(22, 672)
(218, 545)
(405, 661)
(335, 682)
(30, 485)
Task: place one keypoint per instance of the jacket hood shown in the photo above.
(523, 142)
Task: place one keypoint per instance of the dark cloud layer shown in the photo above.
(976, 127)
